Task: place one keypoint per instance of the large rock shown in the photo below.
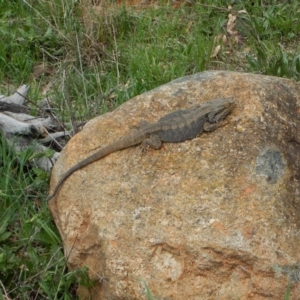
(217, 217)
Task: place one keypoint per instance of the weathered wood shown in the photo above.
(22, 130)
(54, 136)
(6, 106)
(18, 97)
(48, 122)
(10, 126)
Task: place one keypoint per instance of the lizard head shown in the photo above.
(220, 108)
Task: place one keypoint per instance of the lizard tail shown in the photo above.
(122, 143)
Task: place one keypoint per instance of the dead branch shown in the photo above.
(21, 130)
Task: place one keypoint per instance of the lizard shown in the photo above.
(175, 127)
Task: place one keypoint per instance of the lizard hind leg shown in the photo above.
(153, 141)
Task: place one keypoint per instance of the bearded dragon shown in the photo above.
(175, 127)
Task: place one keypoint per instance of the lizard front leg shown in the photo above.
(213, 126)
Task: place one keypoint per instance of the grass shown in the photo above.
(89, 62)
(32, 262)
